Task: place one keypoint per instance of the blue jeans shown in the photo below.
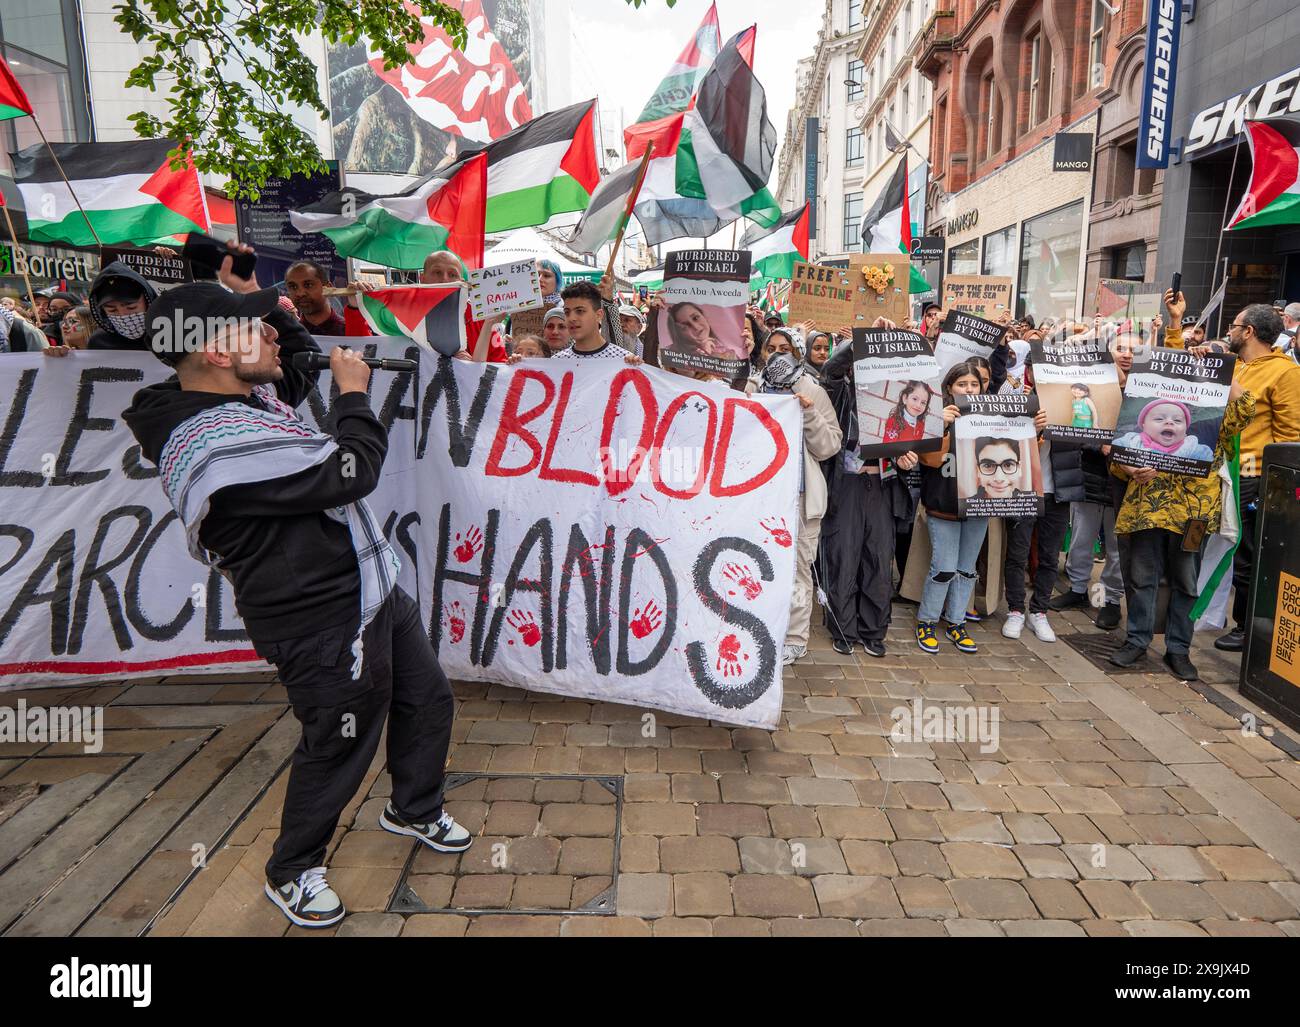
(954, 550)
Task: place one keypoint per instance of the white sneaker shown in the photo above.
(1013, 625)
(308, 901)
(790, 653)
(1041, 628)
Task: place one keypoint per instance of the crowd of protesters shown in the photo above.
(859, 520)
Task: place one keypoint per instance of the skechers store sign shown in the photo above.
(1277, 98)
(1164, 25)
(47, 264)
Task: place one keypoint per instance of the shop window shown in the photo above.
(964, 259)
(1129, 262)
(1000, 253)
(1047, 285)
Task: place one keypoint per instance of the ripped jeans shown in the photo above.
(954, 550)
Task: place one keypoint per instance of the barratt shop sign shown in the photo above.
(1277, 98)
(48, 265)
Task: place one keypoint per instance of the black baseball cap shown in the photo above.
(189, 314)
(927, 307)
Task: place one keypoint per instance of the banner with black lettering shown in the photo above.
(962, 336)
(1173, 410)
(897, 382)
(999, 473)
(588, 529)
(701, 323)
(1078, 387)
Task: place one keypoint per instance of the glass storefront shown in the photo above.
(964, 259)
(1049, 263)
(1000, 253)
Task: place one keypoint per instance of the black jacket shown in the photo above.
(105, 337)
(1080, 475)
(292, 568)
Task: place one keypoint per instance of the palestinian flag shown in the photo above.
(431, 315)
(776, 250)
(887, 226)
(13, 101)
(443, 212)
(678, 87)
(128, 191)
(651, 278)
(1273, 196)
(711, 163)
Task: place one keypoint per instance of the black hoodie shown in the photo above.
(292, 568)
(106, 337)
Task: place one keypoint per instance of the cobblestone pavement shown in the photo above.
(1126, 805)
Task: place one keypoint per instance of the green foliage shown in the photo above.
(235, 70)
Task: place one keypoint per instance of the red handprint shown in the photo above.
(744, 578)
(456, 621)
(523, 622)
(728, 651)
(645, 621)
(469, 548)
(780, 533)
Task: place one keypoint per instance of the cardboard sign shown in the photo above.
(881, 282)
(821, 294)
(503, 289)
(527, 322)
(984, 295)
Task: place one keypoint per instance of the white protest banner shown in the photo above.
(996, 445)
(963, 336)
(1078, 386)
(700, 326)
(1173, 410)
(591, 529)
(897, 383)
(503, 289)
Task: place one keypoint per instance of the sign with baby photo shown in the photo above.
(1173, 410)
(963, 336)
(897, 384)
(996, 445)
(1078, 387)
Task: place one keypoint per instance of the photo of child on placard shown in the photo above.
(1078, 389)
(701, 320)
(896, 382)
(998, 469)
(1173, 409)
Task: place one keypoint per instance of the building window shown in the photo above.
(1049, 263)
(1096, 45)
(987, 102)
(1129, 262)
(907, 22)
(893, 46)
(854, 81)
(855, 15)
(1000, 253)
(1123, 164)
(853, 147)
(964, 259)
(871, 90)
(1039, 58)
(940, 136)
(906, 108)
(852, 238)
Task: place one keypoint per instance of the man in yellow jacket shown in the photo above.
(1273, 378)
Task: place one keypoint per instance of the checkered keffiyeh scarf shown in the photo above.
(237, 444)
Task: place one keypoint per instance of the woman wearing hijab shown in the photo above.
(818, 352)
(548, 274)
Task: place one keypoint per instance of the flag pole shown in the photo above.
(63, 175)
(13, 236)
(631, 205)
(1223, 228)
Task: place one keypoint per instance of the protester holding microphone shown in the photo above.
(280, 509)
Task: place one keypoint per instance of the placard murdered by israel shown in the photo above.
(700, 325)
(997, 463)
(984, 295)
(963, 336)
(897, 388)
(1173, 409)
(1078, 387)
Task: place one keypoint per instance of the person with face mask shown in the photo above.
(118, 301)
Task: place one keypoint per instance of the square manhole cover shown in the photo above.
(543, 844)
(1096, 647)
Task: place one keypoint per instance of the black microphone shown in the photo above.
(321, 362)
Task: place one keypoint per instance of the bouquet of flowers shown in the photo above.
(879, 279)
